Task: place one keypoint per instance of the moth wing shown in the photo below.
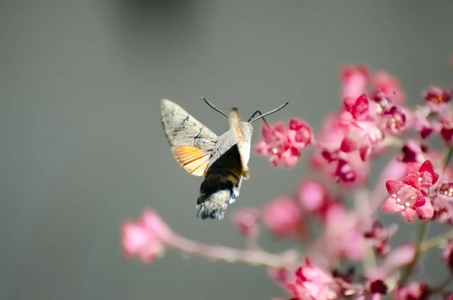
(192, 142)
(243, 142)
(194, 160)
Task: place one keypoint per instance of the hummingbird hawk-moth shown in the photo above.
(221, 160)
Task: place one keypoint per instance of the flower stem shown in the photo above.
(436, 242)
(407, 271)
(448, 156)
(249, 256)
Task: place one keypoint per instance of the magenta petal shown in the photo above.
(393, 186)
(348, 145)
(267, 132)
(427, 166)
(261, 148)
(412, 180)
(390, 206)
(413, 168)
(364, 152)
(290, 157)
(409, 214)
(421, 200)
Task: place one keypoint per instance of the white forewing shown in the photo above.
(192, 142)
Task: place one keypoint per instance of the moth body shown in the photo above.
(222, 161)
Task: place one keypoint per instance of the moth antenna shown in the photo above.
(258, 112)
(213, 107)
(269, 113)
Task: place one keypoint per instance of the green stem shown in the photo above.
(436, 242)
(407, 271)
(448, 157)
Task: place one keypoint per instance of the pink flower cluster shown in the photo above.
(340, 227)
(372, 113)
(283, 145)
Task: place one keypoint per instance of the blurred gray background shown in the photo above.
(81, 143)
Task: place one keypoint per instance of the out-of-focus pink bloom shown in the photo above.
(313, 283)
(358, 107)
(247, 222)
(437, 98)
(336, 152)
(413, 151)
(359, 128)
(395, 120)
(385, 83)
(412, 291)
(446, 131)
(443, 202)
(353, 80)
(405, 198)
(447, 255)
(283, 145)
(423, 126)
(312, 195)
(146, 237)
(379, 236)
(283, 216)
(281, 276)
(299, 133)
(342, 237)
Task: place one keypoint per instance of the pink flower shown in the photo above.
(446, 131)
(353, 80)
(339, 153)
(283, 216)
(405, 198)
(299, 133)
(146, 237)
(437, 98)
(283, 145)
(413, 151)
(313, 283)
(388, 85)
(423, 126)
(412, 291)
(247, 222)
(443, 202)
(312, 195)
(395, 120)
(359, 126)
(342, 236)
(379, 236)
(358, 107)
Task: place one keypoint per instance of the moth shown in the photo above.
(221, 160)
